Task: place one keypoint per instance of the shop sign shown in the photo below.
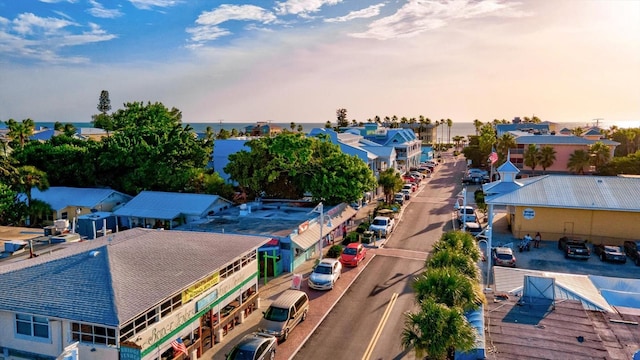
(528, 213)
(303, 227)
(206, 300)
(130, 353)
(200, 287)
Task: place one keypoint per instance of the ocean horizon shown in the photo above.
(457, 129)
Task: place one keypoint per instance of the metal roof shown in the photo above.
(559, 139)
(311, 236)
(59, 197)
(575, 192)
(110, 282)
(167, 205)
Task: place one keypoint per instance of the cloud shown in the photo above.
(207, 28)
(58, 1)
(371, 11)
(98, 10)
(39, 38)
(148, 4)
(418, 16)
(302, 7)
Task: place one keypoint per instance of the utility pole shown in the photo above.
(597, 120)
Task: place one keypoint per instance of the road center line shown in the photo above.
(383, 321)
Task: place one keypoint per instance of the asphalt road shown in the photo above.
(368, 320)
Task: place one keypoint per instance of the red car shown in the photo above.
(353, 254)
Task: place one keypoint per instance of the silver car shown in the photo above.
(325, 274)
(255, 346)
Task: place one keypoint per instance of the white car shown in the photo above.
(467, 214)
(382, 224)
(325, 274)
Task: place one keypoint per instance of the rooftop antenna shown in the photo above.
(597, 120)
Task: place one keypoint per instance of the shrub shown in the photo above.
(362, 227)
(334, 252)
(350, 238)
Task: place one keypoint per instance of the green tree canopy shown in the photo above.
(391, 183)
(578, 160)
(291, 164)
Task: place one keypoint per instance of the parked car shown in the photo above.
(574, 247)
(473, 227)
(288, 310)
(477, 171)
(409, 186)
(353, 254)
(399, 198)
(632, 248)
(418, 173)
(325, 274)
(254, 346)
(475, 179)
(612, 253)
(382, 224)
(408, 178)
(467, 214)
(503, 256)
(407, 194)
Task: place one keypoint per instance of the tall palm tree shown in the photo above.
(391, 183)
(449, 125)
(532, 157)
(599, 154)
(29, 177)
(457, 140)
(504, 143)
(292, 126)
(451, 258)
(547, 157)
(300, 128)
(452, 329)
(577, 131)
(477, 124)
(578, 160)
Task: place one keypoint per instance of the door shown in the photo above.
(568, 228)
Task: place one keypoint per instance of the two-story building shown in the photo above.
(129, 295)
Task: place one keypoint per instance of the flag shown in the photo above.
(178, 346)
(493, 157)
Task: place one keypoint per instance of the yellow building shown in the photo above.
(601, 209)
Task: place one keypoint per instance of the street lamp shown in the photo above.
(463, 195)
(320, 209)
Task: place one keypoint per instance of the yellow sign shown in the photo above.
(200, 287)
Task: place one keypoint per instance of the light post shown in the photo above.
(463, 195)
(488, 255)
(320, 209)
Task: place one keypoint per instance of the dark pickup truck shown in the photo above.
(574, 248)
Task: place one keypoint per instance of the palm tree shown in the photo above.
(436, 330)
(532, 157)
(449, 125)
(446, 257)
(327, 125)
(457, 140)
(391, 183)
(292, 126)
(477, 124)
(577, 131)
(29, 177)
(69, 129)
(459, 241)
(505, 142)
(20, 132)
(547, 157)
(300, 128)
(600, 154)
(578, 160)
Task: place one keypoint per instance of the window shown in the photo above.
(92, 334)
(32, 326)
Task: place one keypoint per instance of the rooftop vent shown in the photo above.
(94, 253)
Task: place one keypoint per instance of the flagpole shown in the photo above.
(321, 226)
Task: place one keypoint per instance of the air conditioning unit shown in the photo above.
(61, 224)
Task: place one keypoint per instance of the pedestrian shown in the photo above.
(536, 240)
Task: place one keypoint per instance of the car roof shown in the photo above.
(503, 250)
(253, 341)
(328, 261)
(354, 245)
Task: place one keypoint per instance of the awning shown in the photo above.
(311, 236)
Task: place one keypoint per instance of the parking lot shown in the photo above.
(549, 258)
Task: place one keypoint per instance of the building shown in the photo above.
(404, 141)
(262, 129)
(568, 205)
(70, 202)
(128, 296)
(157, 209)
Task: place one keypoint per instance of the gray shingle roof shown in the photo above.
(575, 191)
(135, 271)
(166, 205)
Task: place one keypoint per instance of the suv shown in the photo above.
(467, 214)
(285, 312)
(632, 248)
(503, 256)
(574, 247)
(382, 224)
(254, 346)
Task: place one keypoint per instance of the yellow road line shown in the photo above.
(383, 321)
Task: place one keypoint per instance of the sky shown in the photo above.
(301, 60)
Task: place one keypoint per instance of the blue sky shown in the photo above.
(300, 60)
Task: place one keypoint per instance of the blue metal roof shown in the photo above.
(59, 197)
(168, 205)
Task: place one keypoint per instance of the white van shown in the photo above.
(287, 311)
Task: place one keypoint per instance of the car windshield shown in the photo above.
(322, 269)
(505, 256)
(613, 249)
(276, 314)
(240, 354)
(349, 251)
(379, 222)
